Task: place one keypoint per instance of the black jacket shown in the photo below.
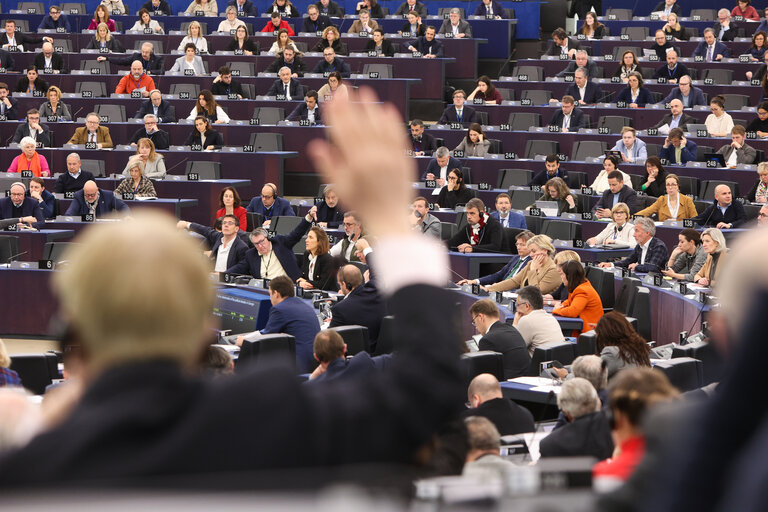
(159, 138)
(386, 47)
(626, 195)
(316, 26)
(334, 11)
(166, 112)
(57, 62)
(735, 215)
(297, 66)
(6, 60)
(325, 272)
(222, 89)
(542, 177)
(153, 65)
(427, 144)
(508, 417)
(236, 252)
(66, 183)
(213, 138)
(506, 339)
(300, 112)
(294, 87)
(248, 7)
(164, 7)
(362, 306)
(23, 131)
(282, 245)
(588, 435)
(491, 237)
(337, 65)
(592, 93)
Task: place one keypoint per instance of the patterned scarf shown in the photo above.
(476, 228)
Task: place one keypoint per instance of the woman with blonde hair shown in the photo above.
(8, 377)
(619, 231)
(54, 106)
(194, 36)
(541, 272)
(103, 40)
(154, 163)
(713, 242)
(207, 7)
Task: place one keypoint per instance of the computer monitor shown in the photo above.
(242, 310)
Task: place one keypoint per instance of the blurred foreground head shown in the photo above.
(135, 290)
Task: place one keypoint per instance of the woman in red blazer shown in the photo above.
(583, 300)
(229, 202)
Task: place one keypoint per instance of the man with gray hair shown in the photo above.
(582, 61)
(75, 177)
(484, 454)
(536, 326)
(285, 86)
(149, 61)
(25, 210)
(440, 166)
(454, 26)
(650, 254)
(156, 105)
(160, 138)
(583, 90)
(593, 369)
(725, 29)
(587, 432)
(485, 399)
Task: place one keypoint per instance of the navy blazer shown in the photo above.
(107, 204)
(282, 245)
(515, 220)
(362, 306)
(164, 7)
(300, 112)
(655, 258)
(295, 317)
(337, 65)
(49, 24)
(687, 155)
(23, 131)
(577, 119)
(294, 87)
(644, 96)
(592, 93)
(29, 208)
(333, 216)
(679, 72)
(236, 252)
(356, 366)
(313, 27)
(48, 204)
(482, 10)
(504, 272)
(734, 214)
(468, 116)
(166, 112)
(626, 195)
(720, 49)
(696, 96)
(280, 208)
(12, 112)
(423, 46)
(434, 168)
(248, 7)
(153, 66)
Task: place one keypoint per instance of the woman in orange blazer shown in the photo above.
(672, 205)
(583, 301)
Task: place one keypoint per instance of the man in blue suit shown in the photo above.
(677, 149)
(329, 350)
(270, 205)
(276, 254)
(227, 249)
(503, 213)
(362, 304)
(515, 265)
(94, 200)
(244, 7)
(711, 49)
(290, 315)
(690, 96)
(26, 209)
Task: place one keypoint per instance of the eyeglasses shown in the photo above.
(519, 303)
(761, 214)
(473, 320)
(17, 194)
(260, 242)
(452, 178)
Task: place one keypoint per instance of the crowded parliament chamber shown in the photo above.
(506, 251)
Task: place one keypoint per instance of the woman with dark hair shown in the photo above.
(329, 213)
(282, 41)
(687, 258)
(331, 38)
(455, 192)
(229, 203)
(583, 301)
(283, 7)
(54, 106)
(628, 65)
(635, 95)
(145, 22)
(610, 163)
(719, 123)
(486, 92)
(379, 44)
(474, 144)
(334, 89)
(759, 125)
(32, 82)
(556, 190)
(373, 7)
(655, 176)
(207, 107)
(619, 344)
(317, 270)
(101, 16)
(592, 28)
(759, 45)
(204, 136)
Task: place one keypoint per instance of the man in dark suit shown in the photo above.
(458, 112)
(677, 118)
(329, 351)
(160, 138)
(362, 304)
(724, 212)
(55, 20)
(562, 44)
(93, 200)
(270, 205)
(485, 399)
(482, 233)
(423, 143)
(162, 6)
(710, 48)
(582, 61)
(163, 110)
(329, 8)
(223, 85)
(617, 192)
(289, 315)
(673, 70)
(17, 206)
(677, 149)
(244, 7)
(152, 63)
(6, 60)
(75, 178)
(501, 337)
(650, 253)
(307, 110)
(33, 128)
(551, 170)
(689, 95)
(331, 63)
(587, 433)
(227, 249)
(13, 38)
(504, 214)
(515, 265)
(274, 252)
(289, 60)
(568, 118)
(286, 86)
(49, 61)
(426, 45)
(315, 22)
(411, 5)
(583, 91)
(725, 29)
(439, 167)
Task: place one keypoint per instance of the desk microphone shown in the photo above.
(168, 171)
(455, 273)
(74, 116)
(13, 257)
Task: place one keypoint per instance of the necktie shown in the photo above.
(679, 154)
(2, 109)
(286, 91)
(709, 54)
(566, 122)
(514, 269)
(92, 137)
(459, 114)
(505, 221)
(411, 9)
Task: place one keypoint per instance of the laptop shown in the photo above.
(715, 157)
(548, 208)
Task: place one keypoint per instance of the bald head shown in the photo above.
(349, 277)
(723, 195)
(47, 49)
(676, 107)
(90, 187)
(484, 387)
